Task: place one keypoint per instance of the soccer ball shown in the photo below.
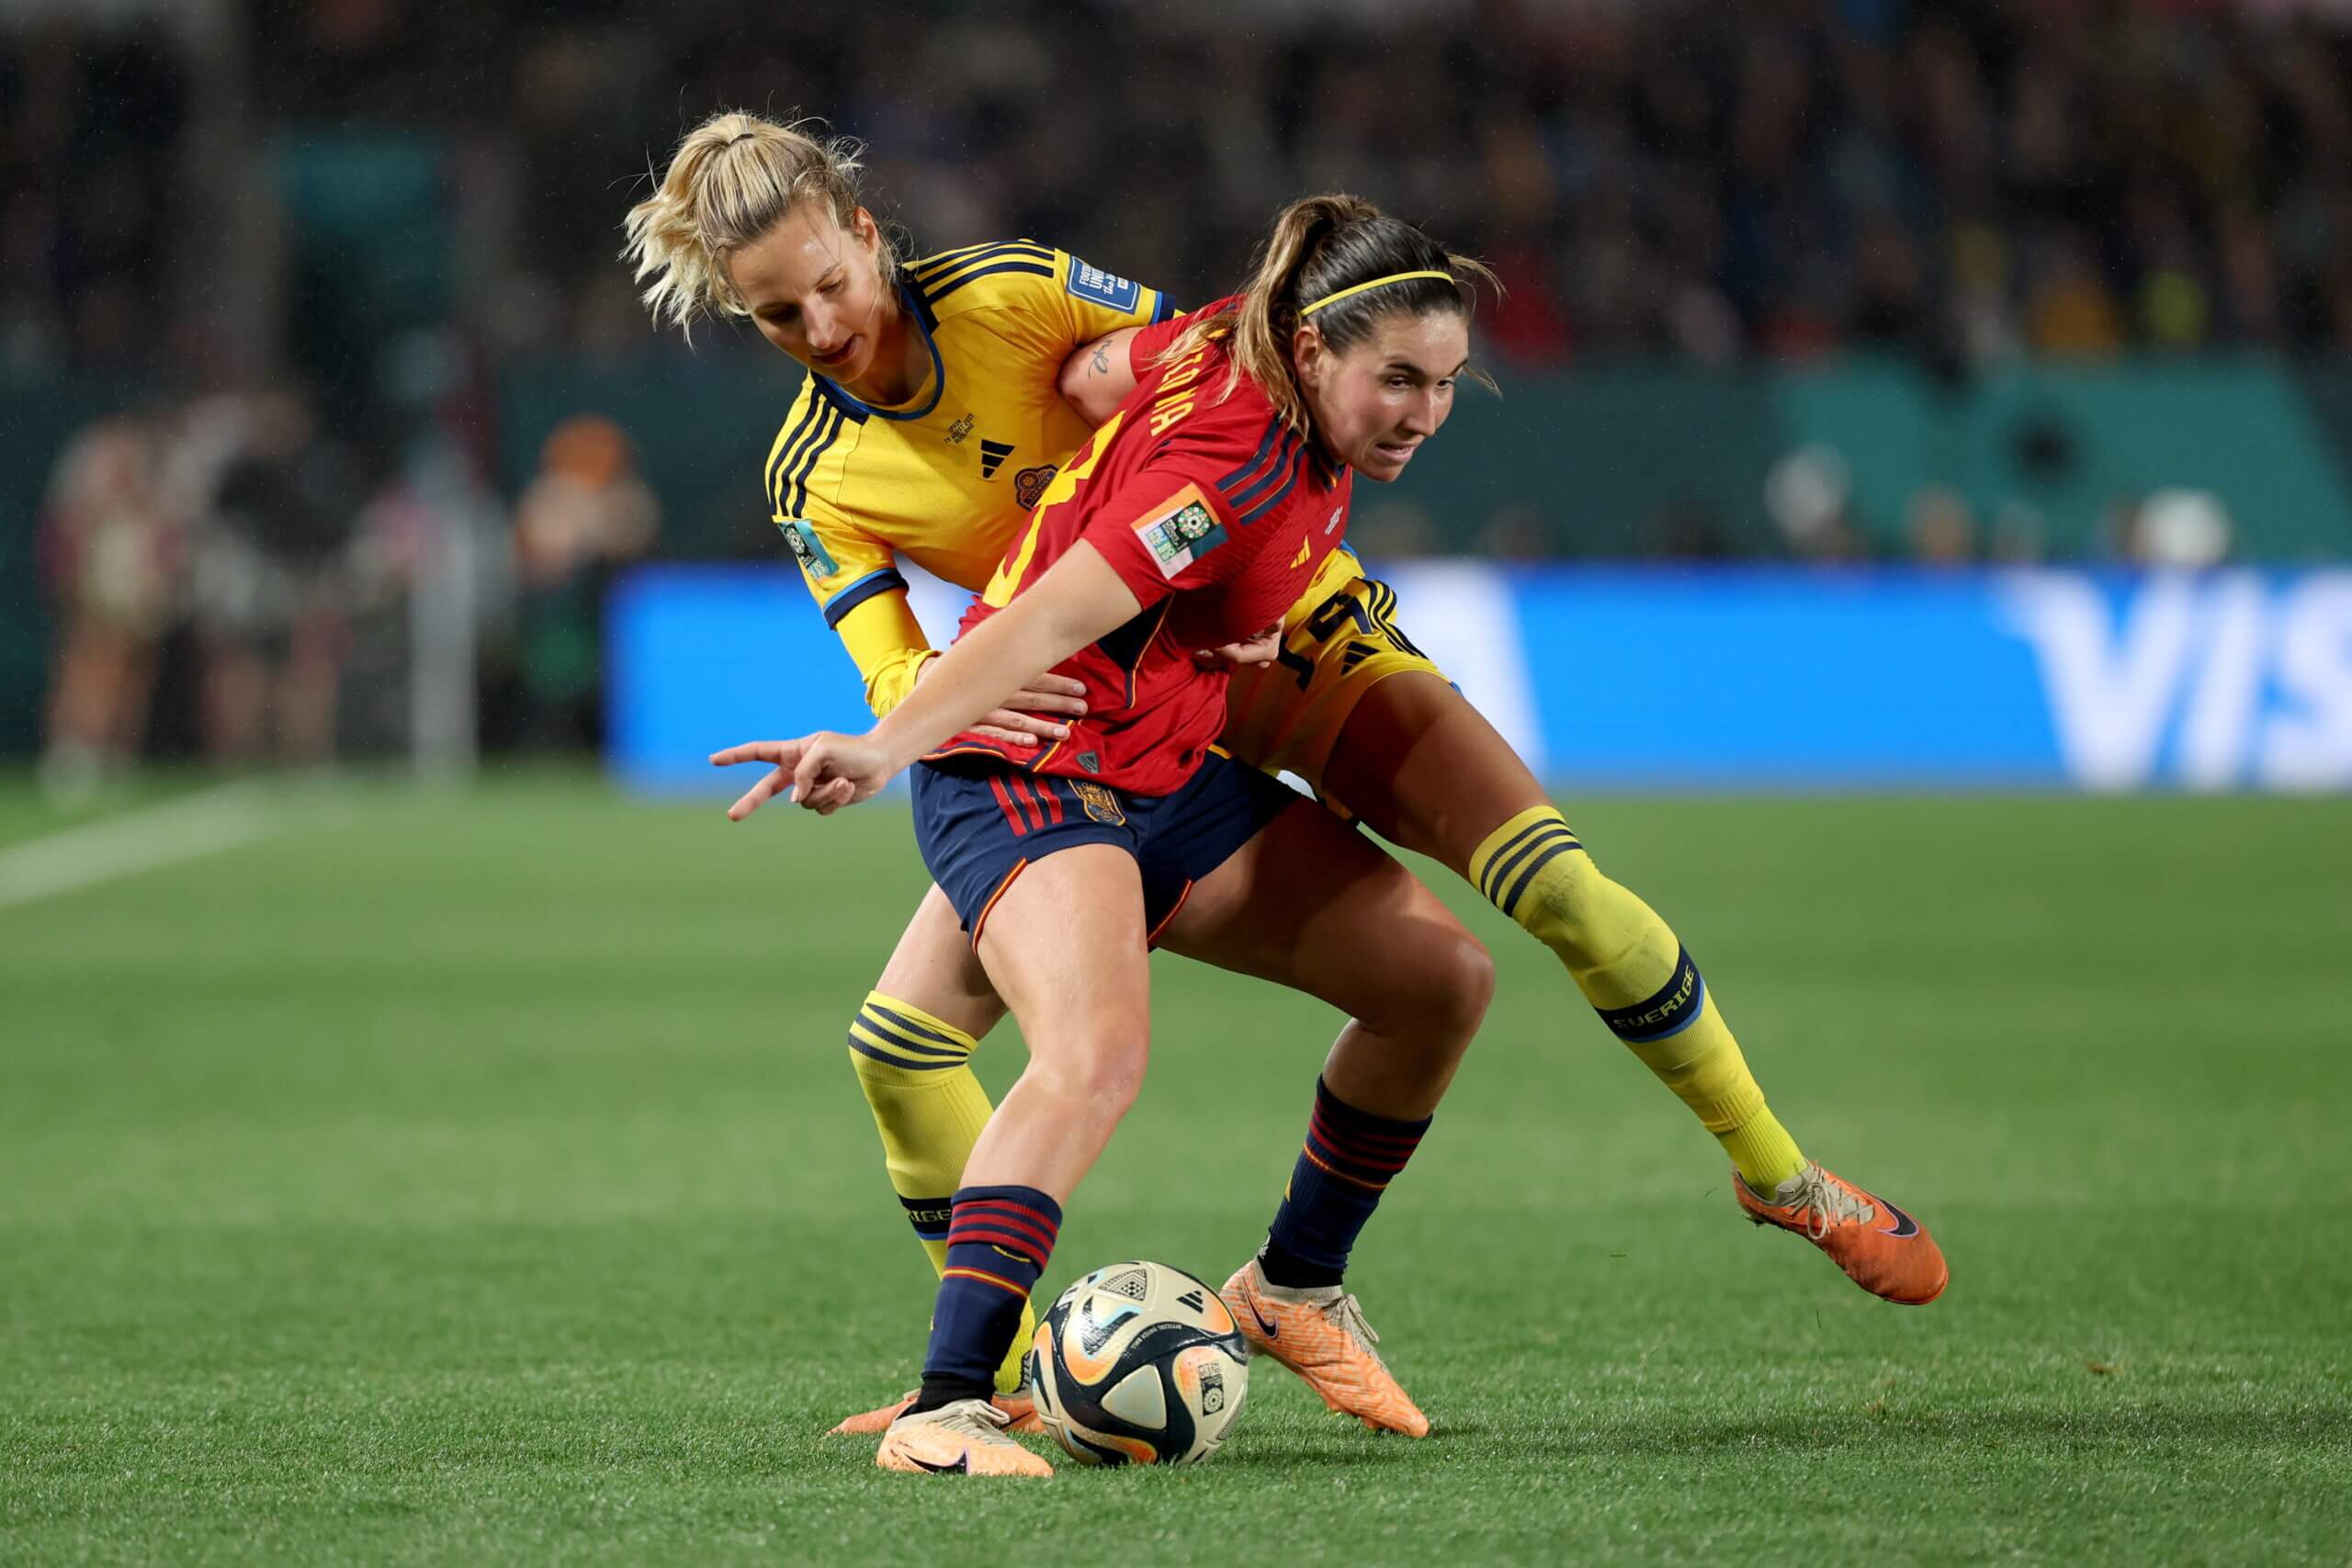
(1139, 1364)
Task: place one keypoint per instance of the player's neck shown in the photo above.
(901, 362)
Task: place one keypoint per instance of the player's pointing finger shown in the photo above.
(758, 794)
(756, 751)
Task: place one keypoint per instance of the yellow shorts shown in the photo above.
(1338, 642)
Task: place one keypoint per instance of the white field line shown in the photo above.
(169, 834)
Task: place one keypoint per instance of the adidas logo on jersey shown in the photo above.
(992, 455)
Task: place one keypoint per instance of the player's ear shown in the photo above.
(1308, 355)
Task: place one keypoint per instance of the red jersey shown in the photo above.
(1217, 515)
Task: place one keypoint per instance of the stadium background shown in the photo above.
(1915, 416)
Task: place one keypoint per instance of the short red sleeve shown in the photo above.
(1168, 530)
(1149, 343)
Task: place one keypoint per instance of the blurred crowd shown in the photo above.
(295, 572)
(1781, 177)
(313, 231)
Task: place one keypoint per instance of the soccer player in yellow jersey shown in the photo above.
(943, 396)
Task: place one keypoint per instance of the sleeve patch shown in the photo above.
(1091, 283)
(809, 550)
(1178, 538)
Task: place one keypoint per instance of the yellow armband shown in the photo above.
(887, 641)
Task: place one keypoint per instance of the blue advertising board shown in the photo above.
(1713, 679)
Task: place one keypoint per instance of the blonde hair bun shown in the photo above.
(732, 179)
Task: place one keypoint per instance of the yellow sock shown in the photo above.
(929, 1107)
(1634, 971)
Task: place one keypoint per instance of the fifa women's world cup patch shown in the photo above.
(806, 548)
(1178, 537)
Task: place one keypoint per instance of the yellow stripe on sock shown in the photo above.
(929, 1119)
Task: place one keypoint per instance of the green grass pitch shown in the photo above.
(479, 1177)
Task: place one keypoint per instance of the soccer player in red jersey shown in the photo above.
(764, 222)
(1194, 518)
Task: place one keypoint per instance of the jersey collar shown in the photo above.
(919, 311)
(1325, 470)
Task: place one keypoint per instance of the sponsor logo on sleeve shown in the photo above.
(1178, 538)
(1102, 288)
(806, 548)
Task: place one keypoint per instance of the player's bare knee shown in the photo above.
(1435, 990)
(1465, 984)
(1099, 1078)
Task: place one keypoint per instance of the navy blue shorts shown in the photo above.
(978, 825)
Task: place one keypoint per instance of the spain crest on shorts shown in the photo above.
(1100, 803)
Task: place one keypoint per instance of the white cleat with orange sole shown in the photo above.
(1321, 1335)
(1020, 1416)
(963, 1437)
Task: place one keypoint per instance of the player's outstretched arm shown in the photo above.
(888, 643)
(1079, 599)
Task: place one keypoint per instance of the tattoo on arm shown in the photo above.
(1101, 360)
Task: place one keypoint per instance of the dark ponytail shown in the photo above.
(1320, 245)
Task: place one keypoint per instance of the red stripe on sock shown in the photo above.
(1329, 1169)
(1001, 1213)
(1373, 1157)
(1348, 1132)
(1363, 1169)
(1011, 1242)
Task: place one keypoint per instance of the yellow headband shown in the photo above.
(1375, 283)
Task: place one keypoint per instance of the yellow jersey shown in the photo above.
(946, 481)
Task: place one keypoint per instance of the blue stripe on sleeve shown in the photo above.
(858, 592)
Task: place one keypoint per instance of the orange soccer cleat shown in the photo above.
(963, 1437)
(1321, 1335)
(1019, 1409)
(1883, 1249)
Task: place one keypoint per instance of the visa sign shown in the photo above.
(1721, 678)
(2224, 681)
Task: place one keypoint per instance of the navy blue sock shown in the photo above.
(1350, 1157)
(997, 1241)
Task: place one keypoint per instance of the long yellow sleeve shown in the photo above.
(889, 646)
